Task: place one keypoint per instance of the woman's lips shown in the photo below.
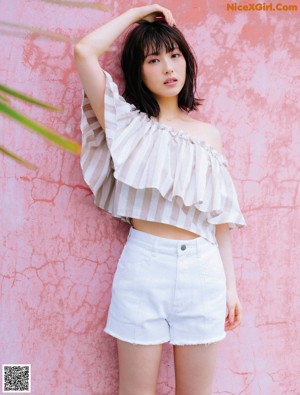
(170, 81)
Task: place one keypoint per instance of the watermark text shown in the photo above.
(261, 7)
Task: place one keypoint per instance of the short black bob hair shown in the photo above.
(151, 37)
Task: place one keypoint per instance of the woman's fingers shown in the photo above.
(168, 16)
(234, 317)
(231, 314)
(239, 313)
(156, 12)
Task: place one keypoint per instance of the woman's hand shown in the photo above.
(155, 12)
(234, 307)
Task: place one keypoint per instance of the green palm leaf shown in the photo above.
(80, 4)
(17, 158)
(3, 98)
(49, 134)
(28, 99)
(40, 32)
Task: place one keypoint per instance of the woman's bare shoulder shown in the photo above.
(207, 132)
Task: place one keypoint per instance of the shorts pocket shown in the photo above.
(133, 257)
(212, 263)
(125, 299)
(129, 283)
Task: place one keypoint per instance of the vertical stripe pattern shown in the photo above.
(140, 168)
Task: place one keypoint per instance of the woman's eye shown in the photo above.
(153, 61)
(176, 55)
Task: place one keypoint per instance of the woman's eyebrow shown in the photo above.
(155, 53)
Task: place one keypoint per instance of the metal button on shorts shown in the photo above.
(167, 290)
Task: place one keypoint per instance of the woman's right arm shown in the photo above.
(90, 47)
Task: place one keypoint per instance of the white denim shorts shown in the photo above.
(167, 290)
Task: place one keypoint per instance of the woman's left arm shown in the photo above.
(234, 307)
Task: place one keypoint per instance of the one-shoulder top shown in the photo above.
(137, 167)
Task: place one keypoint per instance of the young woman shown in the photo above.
(151, 164)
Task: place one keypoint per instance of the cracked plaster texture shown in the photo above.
(59, 252)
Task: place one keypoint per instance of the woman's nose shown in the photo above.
(168, 67)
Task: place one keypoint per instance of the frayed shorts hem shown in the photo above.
(154, 343)
(199, 342)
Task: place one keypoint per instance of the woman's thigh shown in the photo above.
(138, 368)
(194, 368)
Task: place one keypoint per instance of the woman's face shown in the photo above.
(164, 73)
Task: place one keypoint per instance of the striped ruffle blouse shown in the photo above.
(137, 167)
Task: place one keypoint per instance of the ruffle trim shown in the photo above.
(145, 153)
(182, 134)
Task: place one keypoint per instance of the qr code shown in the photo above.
(16, 378)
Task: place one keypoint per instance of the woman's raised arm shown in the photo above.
(89, 48)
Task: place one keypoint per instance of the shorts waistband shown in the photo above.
(162, 244)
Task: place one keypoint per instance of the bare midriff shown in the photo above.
(163, 230)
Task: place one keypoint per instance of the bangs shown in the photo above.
(154, 40)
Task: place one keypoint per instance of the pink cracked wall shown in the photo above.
(59, 252)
